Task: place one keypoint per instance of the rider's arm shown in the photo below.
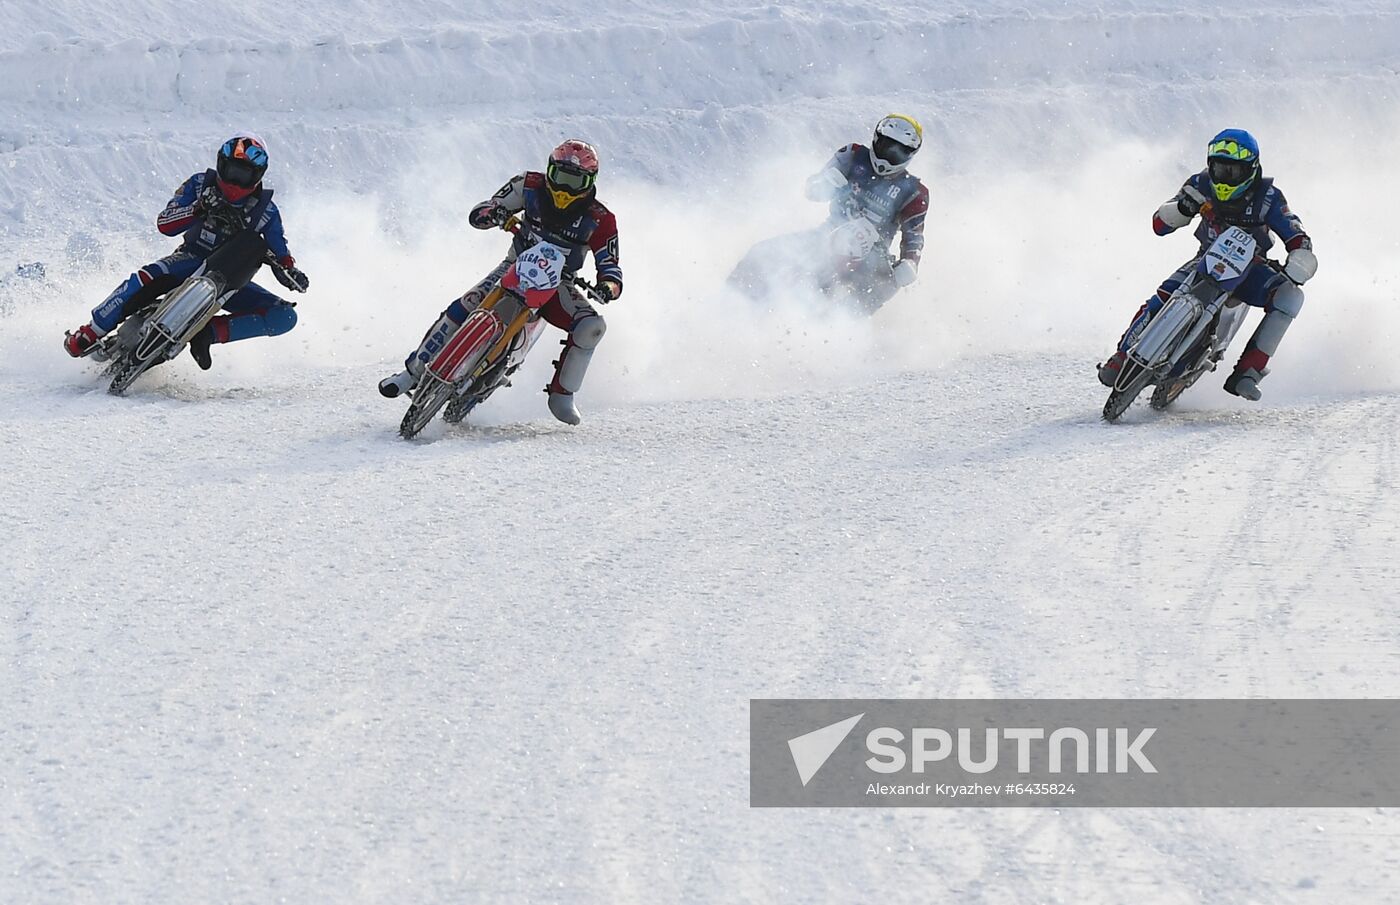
(1180, 209)
(831, 178)
(509, 199)
(179, 212)
(1286, 224)
(271, 228)
(911, 227)
(603, 242)
(1302, 263)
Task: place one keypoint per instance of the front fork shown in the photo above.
(482, 339)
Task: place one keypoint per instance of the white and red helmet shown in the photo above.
(572, 170)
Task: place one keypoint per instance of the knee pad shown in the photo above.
(1138, 324)
(442, 330)
(458, 310)
(279, 319)
(1287, 299)
(588, 331)
(1270, 331)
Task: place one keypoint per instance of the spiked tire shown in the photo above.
(126, 369)
(1133, 380)
(460, 406)
(432, 394)
(1166, 393)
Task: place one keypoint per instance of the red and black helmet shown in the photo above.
(241, 166)
(572, 170)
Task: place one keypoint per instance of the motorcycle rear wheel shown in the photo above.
(1169, 391)
(460, 406)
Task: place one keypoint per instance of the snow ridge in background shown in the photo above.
(1043, 146)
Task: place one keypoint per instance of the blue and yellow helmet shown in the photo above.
(1232, 163)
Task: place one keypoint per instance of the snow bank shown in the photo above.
(1053, 131)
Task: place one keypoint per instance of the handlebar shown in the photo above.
(589, 290)
(271, 261)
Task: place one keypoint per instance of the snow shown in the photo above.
(256, 648)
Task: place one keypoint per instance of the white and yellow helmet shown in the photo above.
(897, 138)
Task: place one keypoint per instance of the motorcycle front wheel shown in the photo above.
(428, 399)
(1133, 381)
(127, 368)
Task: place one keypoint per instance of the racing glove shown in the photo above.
(209, 199)
(1179, 211)
(289, 276)
(608, 290)
(1301, 265)
(905, 272)
(488, 215)
(1190, 202)
(216, 209)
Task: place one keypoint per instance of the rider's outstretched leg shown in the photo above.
(1109, 370)
(130, 296)
(442, 330)
(1285, 302)
(586, 328)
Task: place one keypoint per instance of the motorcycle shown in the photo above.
(493, 341)
(1191, 332)
(160, 329)
(838, 259)
(855, 268)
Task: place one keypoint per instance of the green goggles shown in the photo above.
(571, 179)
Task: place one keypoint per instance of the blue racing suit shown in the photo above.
(1263, 212)
(253, 311)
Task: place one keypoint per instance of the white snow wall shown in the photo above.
(1053, 131)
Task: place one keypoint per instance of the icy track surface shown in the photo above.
(254, 648)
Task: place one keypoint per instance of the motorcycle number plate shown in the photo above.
(541, 267)
(854, 239)
(1230, 254)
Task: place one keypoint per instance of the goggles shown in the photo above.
(892, 151)
(1224, 171)
(568, 178)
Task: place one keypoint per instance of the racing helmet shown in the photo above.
(571, 172)
(897, 139)
(1232, 163)
(241, 166)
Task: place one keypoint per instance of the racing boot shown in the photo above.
(78, 342)
(216, 331)
(404, 381)
(1253, 365)
(1109, 370)
(1244, 382)
(561, 405)
(199, 349)
(572, 365)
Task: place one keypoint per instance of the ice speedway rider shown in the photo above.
(559, 206)
(1231, 191)
(872, 183)
(208, 208)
